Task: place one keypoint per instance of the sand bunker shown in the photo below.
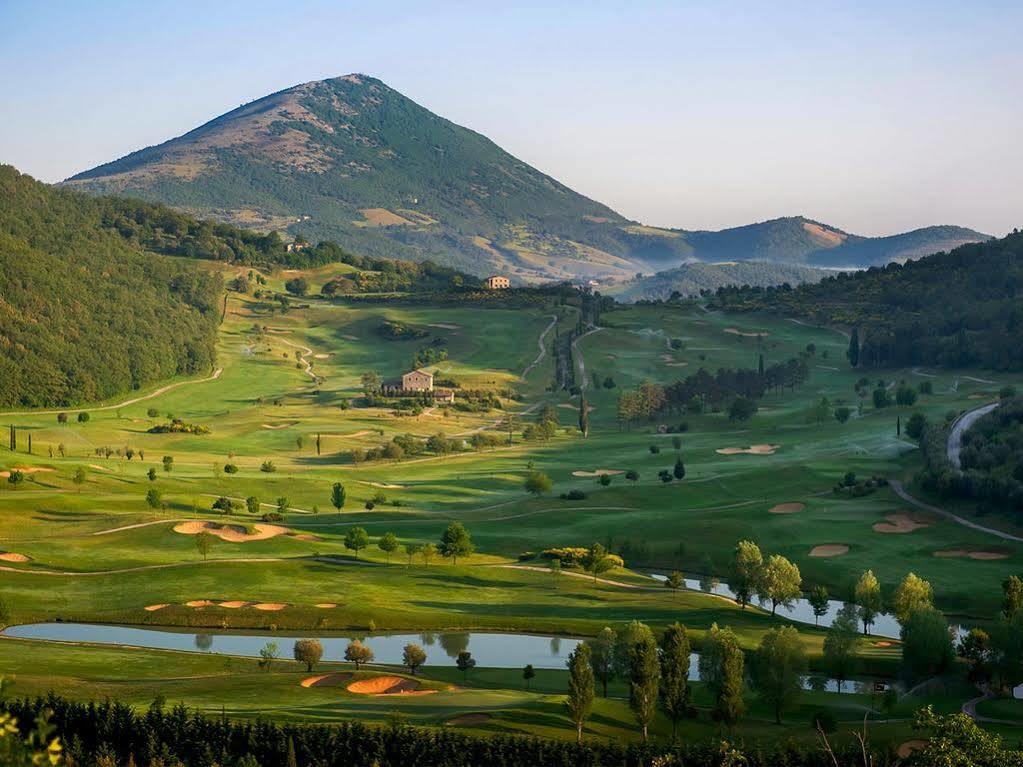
(900, 522)
(677, 364)
(276, 426)
(326, 680)
(321, 356)
(233, 604)
(737, 332)
(469, 720)
(11, 556)
(200, 603)
(882, 644)
(596, 473)
(154, 608)
(444, 325)
(97, 467)
(787, 508)
(829, 550)
(351, 338)
(326, 605)
(978, 554)
(270, 606)
(385, 485)
(386, 685)
(751, 450)
(231, 533)
(304, 536)
(25, 470)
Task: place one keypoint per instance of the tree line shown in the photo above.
(963, 308)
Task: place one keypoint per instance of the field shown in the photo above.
(288, 389)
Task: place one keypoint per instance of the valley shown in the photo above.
(224, 524)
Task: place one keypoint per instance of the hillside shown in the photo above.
(963, 308)
(353, 161)
(84, 314)
(691, 278)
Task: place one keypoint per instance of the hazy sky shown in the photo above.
(873, 117)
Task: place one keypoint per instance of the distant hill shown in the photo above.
(351, 160)
(85, 314)
(963, 308)
(798, 240)
(691, 278)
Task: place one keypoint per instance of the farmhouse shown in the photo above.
(497, 283)
(417, 381)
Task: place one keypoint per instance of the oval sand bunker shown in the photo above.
(230, 533)
(787, 508)
(829, 550)
(751, 450)
(386, 685)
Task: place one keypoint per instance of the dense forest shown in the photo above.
(991, 460)
(85, 314)
(963, 308)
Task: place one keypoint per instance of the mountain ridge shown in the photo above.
(352, 160)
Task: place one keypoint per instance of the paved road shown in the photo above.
(959, 427)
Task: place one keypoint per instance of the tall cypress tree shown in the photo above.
(584, 416)
(854, 347)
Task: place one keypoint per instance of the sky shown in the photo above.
(875, 117)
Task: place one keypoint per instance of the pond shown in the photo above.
(489, 649)
(885, 625)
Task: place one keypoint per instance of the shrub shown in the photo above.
(273, 516)
(573, 495)
(230, 468)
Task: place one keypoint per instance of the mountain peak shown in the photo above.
(352, 160)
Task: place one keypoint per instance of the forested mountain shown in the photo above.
(84, 313)
(962, 308)
(693, 277)
(354, 161)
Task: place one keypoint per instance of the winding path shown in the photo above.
(583, 383)
(959, 427)
(156, 393)
(543, 348)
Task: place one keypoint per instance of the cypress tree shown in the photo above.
(761, 366)
(854, 348)
(584, 416)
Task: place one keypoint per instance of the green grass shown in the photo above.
(692, 525)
